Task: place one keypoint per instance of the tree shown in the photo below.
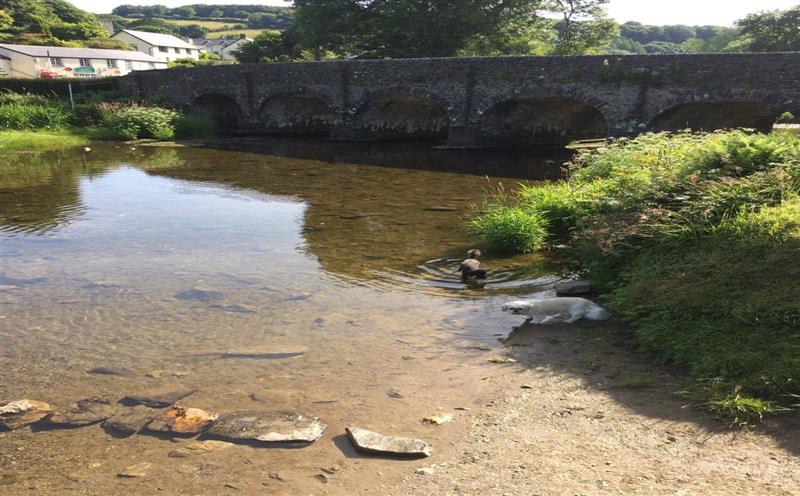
(774, 31)
(216, 13)
(186, 12)
(192, 31)
(270, 46)
(403, 28)
(679, 33)
(6, 21)
(583, 27)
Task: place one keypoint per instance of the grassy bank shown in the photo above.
(29, 121)
(694, 239)
(42, 140)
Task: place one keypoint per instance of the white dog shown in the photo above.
(555, 310)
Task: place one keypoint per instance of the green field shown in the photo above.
(211, 25)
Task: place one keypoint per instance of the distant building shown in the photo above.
(225, 48)
(164, 47)
(29, 61)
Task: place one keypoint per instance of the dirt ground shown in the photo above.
(579, 415)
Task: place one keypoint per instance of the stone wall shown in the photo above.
(490, 100)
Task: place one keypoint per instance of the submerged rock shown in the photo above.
(200, 294)
(159, 398)
(138, 470)
(268, 427)
(121, 371)
(573, 288)
(129, 422)
(373, 442)
(24, 412)
(438, 418)
(199, 448)
(182, 420)
(83, 412)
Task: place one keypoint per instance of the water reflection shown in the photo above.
(368, 212)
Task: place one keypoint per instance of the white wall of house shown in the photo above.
(163, 53)
(5, 68)
(26, 66)
(228, 53)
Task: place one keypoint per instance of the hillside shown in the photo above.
(51, 22)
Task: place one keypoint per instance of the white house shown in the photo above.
(164, 47)
(225, 48)
(29, 61)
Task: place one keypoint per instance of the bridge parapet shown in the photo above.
(488, 101)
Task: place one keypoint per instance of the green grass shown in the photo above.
(42, 140)
(695, 240)
(210, 25)
(250, 33)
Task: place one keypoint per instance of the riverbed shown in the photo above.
(269, 275)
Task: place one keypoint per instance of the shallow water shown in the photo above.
(279, 275)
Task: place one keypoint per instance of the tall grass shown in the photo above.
(694, 239)
(20, 111)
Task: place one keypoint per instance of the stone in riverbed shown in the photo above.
(120, 371)
(20, 413)
(268, 427)
(83, 412)
(160, 397)
(373, 442)
(200, 294)
(199, 448)
(138, 470)
(182, 420)
(129, 422)
(573, 288)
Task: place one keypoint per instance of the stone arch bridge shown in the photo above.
(486, 101)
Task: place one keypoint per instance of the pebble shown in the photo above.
(120, 371)
(424, 471)
(438, 418)
(500, 359)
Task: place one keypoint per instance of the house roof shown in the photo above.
(223, 42)
(158, 39)
(79, 53)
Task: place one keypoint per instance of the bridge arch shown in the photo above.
(401, 114)
(708, 112)
(294, 112)
(224, 110)
(541, 119)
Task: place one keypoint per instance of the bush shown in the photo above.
(132, 122)
(694, 239)
(25, 115)
(787, 118)
(194, 127)
(510, 230)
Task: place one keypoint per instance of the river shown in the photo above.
(277, 275)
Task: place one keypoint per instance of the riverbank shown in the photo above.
(693, 239)
(42, 140)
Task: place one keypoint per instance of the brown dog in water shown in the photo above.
(470, 268)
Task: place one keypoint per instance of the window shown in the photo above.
(56, 62)
(84, 63)
(163, 49)
(111, 63)
(178, 50)
(129, 65)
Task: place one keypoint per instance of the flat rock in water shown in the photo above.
(373, 442)
(159, 398)
(199, 448)
(130, 421)
(121, 371)
(200, 294)
(20, 413)
(138, 470)
(182, 420)
(440, 208)
(573, 288)
(268, 427)
(83, 412)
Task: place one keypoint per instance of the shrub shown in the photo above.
(510, 229)
(32, 115)
(787, 118)
(194, 127)
(132, 122)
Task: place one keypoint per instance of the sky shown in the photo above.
(692, 12)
